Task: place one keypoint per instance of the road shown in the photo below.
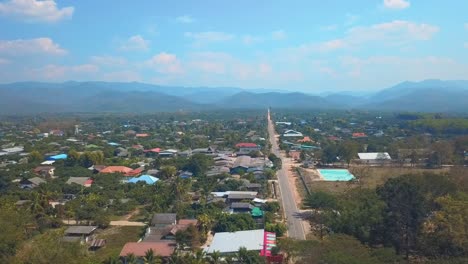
(294, 221)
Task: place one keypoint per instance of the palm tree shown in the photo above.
(215, 257)
(130, 259)
(200, 257)
(149, 257)
(112, 260)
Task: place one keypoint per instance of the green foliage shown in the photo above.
(321, 200)
(445, 125)
(234, 222)
(198, 164)
(279, 228)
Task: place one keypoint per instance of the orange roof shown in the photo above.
(359, 134)
(305, 139)
(134, 172)
(163, 249)
(188, 222)
(116, 169)
(142, 135)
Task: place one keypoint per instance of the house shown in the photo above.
(148, 179)
(135, 172)
(116, 169)
(56, 132)
(246, 148)
(164, 219)
(31, 183)
(292, 133)
(374, 157)
(44, 171)
(209, 150)
(239, 207)
(253, 186)
(139, 249)
(305, 140)
(58, 157)
(152, 172)
(186, 175)
(121, 152)
(359, 135)
(79, 233)
(227, 243)
(242, 163)
(295, 155)
(142, 135)
(168, 153)
(283, 123)
(13, 150)
(83, 181)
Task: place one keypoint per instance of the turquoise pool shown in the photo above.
(336, 174)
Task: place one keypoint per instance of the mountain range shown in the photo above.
(38, 97)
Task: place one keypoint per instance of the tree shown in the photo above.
(321, 200)
(446, 231)
(168, 172)
(404, 213)
(35, 156)
(234, 222)
(150, 258)
(360, 215)
(199, 164)
(348, 151)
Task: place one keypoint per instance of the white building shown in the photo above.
(374, 157)
(292, 133)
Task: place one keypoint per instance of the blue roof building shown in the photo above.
(148, 179)
(58, 157)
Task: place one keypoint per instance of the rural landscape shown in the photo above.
(245, 132)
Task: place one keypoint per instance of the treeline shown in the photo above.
(442, 126)
(418, 217)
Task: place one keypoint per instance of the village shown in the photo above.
(181, 186)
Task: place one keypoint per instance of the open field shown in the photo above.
(371, 177)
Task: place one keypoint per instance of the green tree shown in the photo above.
(404, 213)
(168, 172)
(35, 157)
(321, 200)
(348, 150)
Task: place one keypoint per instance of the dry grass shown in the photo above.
(371, 177)
(116, 237)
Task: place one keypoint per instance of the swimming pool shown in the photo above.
(336, 174)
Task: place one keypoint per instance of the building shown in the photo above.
(148, 179)
(139, 249)
(83, 181)
(246, 148)
(31, 183)
(359, 135)
(227, 243)
(44, 171)
(292, 133)
(164, 219)
(58, 157)
(116, 169)
(374, 157)
(79, 233)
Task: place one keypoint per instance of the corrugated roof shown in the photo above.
(163, 249)
(80, 230)
(374, 156)
(226, 242)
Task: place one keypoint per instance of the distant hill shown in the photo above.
(274, 99)
(37, 97)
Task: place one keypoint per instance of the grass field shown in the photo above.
(371, 177)
(116, 237)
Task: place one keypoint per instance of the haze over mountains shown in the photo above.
(36, 97)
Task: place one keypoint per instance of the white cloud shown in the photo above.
(186, 19)
(166, 63)
(202, 38)
(278, 34)
(34, 10)
(135, 43)
(395, 33)
(396, 4)
(20, 47)
(250, 40)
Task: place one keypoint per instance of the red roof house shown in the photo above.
(163, 249)
(116, 169)
(246, 145)
(359, 135)
(134, 172)
(142, 135)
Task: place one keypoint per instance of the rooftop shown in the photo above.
(163, 249)
(226, 242)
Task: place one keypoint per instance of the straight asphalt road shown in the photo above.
(293, 219)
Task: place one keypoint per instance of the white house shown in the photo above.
(292, 133)
(374, 157)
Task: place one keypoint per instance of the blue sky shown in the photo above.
(295, 45)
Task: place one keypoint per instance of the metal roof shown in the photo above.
(80, 230)
(226, 242)
(374, 156)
